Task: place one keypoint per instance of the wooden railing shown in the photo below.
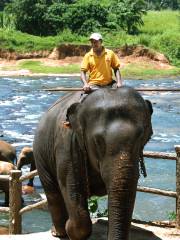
(15, 190)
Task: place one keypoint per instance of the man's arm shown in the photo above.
(86, 86)
(118, 77)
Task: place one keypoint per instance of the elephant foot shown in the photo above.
(78, 230)
(61, 233)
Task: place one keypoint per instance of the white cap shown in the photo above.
(95, 36)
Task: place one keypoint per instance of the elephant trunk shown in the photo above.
(122, 193)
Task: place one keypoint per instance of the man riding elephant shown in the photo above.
(98, 64)
(99, 154)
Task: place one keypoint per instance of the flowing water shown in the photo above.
(22, 102)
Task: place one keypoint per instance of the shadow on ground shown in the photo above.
(137, 233)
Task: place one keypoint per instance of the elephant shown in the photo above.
(101, 153)
(5, 168)
(7, 152)
(26, 157)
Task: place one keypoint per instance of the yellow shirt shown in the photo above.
(100, 67)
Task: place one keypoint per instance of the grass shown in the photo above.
(133, 70)
(138, 71)
(167, 20)
(38, 67)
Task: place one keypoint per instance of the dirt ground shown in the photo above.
(143, 61)
(138, 232)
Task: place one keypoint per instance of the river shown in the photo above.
(22, 102)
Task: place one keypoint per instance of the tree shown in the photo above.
(54, 18)
(86, 17)
(129, 14)
(29, 15)
(3, 4)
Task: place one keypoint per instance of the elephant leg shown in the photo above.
(58, 213)
(56, 206)
(79, 225)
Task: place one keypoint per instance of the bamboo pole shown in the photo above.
(15, 201)
(66, 89)
(4, 177)
(177, 148)
(28, 175)
(32, 206)
(157, 191)
(4, 209)
(160, 155)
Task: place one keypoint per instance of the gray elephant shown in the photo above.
(7, 152)
(99, 154)
(26, 157)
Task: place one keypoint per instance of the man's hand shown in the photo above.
(86, 87)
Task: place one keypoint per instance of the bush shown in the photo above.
(85, 18)
(169, 44)
(129, 14)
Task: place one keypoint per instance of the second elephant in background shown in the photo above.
(7, 152)
(26, 157)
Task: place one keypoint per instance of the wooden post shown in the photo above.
(15, 202)
(177, 148)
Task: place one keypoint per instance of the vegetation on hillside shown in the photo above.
(153, 35)
(49, 17)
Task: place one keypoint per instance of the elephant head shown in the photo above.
(7, 152)
(26, 157)
(111, 127)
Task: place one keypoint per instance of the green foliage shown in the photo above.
(153, 35)
(22, 42)
(7, 21)
(38, 67)
(29, 15)
(49, 17)
(163, 4)
(128, 14)
(86, 18)
(54, 18)
(166, 19)
(94, 207)
(3, 4)
(169, 43)
(172, 216)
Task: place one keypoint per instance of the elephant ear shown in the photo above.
(75, 123)
(147, 122)
(149, 105)
(72, 115)
(147, 134)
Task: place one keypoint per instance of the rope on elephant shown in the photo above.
(142, 165)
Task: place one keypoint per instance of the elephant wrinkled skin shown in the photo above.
(99, 154)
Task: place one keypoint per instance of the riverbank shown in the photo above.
(132, 67)
(139, 231)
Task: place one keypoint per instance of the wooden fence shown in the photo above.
(15, 190)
